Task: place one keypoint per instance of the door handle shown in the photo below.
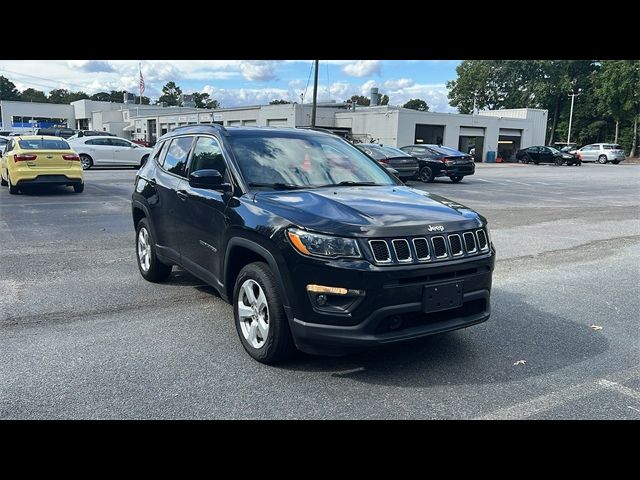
(182, 194)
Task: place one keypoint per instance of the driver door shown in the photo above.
(124, 154)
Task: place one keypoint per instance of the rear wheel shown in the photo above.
(456, 178)
(3, 182)
(152, 269)
(558, 162)
(259, 315)
(13, 190)
(86, 161)
(615, 162)
(602, 159)
(78, 188)
(526, 159)
(425, 175)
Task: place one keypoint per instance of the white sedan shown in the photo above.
(109, 152)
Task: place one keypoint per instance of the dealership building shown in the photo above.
(485, 134)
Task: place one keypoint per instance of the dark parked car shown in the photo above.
(538, 154)
(314, 244)
(405, 165)
(438, 161)
(56, 132)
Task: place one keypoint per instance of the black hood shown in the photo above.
(370, 211)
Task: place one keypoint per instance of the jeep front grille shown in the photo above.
(429, 248)
(380, 251)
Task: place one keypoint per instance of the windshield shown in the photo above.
(43, 144)
(554, 150)
(283, 162)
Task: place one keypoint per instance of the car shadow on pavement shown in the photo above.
(46, 191)
(480, 354)
(180, 277)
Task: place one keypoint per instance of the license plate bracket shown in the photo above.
(442, 297)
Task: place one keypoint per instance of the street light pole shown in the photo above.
(315, 95)
(573, 96)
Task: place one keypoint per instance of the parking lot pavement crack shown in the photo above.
(587, 252)
(70, 316)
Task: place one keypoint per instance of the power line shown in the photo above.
(44, 79)
(328, 83)
(304, 95)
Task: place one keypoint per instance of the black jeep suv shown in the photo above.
(314, 243)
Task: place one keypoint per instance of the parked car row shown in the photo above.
(542, 154)
(109, 151)
(596, 152)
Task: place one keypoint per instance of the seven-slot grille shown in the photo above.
(433, 248)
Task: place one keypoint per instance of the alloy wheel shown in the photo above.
(254, 313)
(144, 249)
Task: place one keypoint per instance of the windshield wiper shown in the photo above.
(351, 183)
(278, 186)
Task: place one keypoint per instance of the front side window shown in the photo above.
(276, 161)
(175, 161)
(207, 155)
(98, 141)
(116, 142)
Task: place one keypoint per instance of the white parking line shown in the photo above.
(542, 183)
(547, 402)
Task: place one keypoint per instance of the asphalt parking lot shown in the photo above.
(82, 335)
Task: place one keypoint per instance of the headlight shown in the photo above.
(323, 245)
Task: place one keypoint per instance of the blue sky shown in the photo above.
(245, 82)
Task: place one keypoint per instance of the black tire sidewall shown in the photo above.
(90, 161)
(158, 271)
(279, 343)
(426, 168)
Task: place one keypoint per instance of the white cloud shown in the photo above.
(91, 66)
(259, 70)
(398, 84)
(363, 68)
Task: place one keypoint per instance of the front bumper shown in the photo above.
(391, 310)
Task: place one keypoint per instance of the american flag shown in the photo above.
(141, 81)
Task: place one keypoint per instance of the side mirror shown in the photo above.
(209, 179)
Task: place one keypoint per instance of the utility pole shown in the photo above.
(573, 96)
(315, 94)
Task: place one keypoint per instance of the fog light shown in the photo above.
(321, 299)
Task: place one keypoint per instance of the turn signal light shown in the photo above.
(330, 290)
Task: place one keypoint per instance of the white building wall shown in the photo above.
(34, 109)
(378, 123)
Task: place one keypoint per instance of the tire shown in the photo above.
(86, 161)
(143, 160)
(3, 182)
(78, 188)
(558, 162)
(13, 190)
(456, 178)
(425, 175)
(262, 317)
(151, 269)
(602, 159)
(615, 162)
(536, 162)
(526, 160)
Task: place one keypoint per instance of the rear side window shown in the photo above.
(43, 144)
(612, 147)
(116, 142)
(207, 155)
(98, 141)
(175, 161)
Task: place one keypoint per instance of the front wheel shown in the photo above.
(151, 269)
(3, 182)
(602, 159)
(456, 178)
(425, 175)
(615, 162)
(259, 315)
(525, 160)
(86, 161)
(558, 162)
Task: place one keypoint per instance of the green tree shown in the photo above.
(360, 100)
(170, 94)
(279, 102)
(417, 104)
(8, 90)
(384, 100)
(101, 97)
(617, 90)
(59, 95)
(203, 100)
(74, 96)
(33, 95)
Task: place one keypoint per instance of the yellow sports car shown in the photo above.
(36, 160)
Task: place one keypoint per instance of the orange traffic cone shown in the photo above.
(306, 165)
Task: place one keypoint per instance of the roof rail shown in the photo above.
(215, 126)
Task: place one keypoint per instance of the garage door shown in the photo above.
(277, 122)
(510, 132)
(472, 131)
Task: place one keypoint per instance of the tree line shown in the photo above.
(607, 108)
